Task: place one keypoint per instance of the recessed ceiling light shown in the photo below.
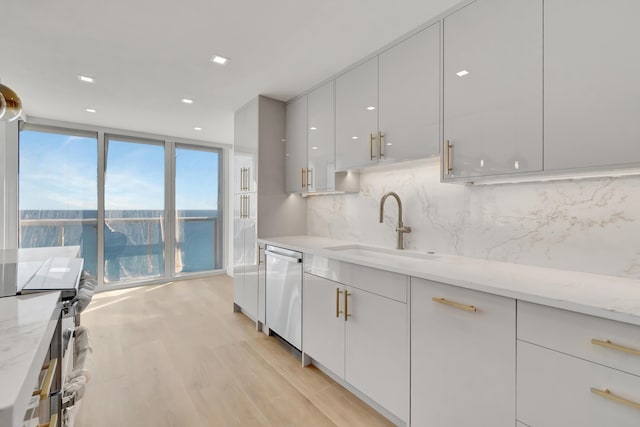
(197, 128)
(313, 128)
(314, 148)
(217, 59)
(462, 73)
(187, 101)
(90, 110)
(371, 108)
(86, 79)
(354, 137)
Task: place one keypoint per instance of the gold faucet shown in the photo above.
(402, 229)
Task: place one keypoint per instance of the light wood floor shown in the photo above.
(177, 355)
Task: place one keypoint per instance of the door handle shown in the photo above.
(371, 138)
(380, 136)
(346, 305)
(338, 311)
(449, 154)
(309, 176)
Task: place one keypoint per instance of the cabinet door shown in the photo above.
(322, 139)
(463, 362)
(376, 358)
(296, 152)
(493, 88)
(250, 226)
(555, 390)
(591, 90)
(261, 284)
(409, 87)
(238, 285)
(357, 116)
(250, 306)
(244, 172)
(323, 322)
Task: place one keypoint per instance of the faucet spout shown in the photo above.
(401, 229)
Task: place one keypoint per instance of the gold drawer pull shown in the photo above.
(617, 347)
(53, 421)
(608, 395)
(454, 304)
(338, 311)
(48, 379)
(346, 305)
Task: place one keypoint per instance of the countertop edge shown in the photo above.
(548, 297)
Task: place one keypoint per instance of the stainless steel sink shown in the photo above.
(377, 253)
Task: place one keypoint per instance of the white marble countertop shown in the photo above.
(27, 324)
(609, 297)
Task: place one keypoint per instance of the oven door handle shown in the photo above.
(296, 260)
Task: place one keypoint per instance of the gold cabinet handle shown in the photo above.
(241, 179)
(448, 155)
(346, 305)
(338, 311)
(608, 395)
(309, 176)
(53, 422)
(454, 304)
(380, 136)
(48, 380)
(617, 347)
(303, 175)
(371, 138)
(258, 261)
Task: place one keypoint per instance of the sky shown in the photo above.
(59, 172)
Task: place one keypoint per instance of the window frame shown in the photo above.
(170, 144)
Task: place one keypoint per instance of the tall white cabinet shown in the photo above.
(262, 207)
(591, 69)
(493, 89)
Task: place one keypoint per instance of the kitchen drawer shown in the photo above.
(557, 390)
(572, 333)
(384, 283)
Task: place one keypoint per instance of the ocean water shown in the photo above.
(134, 239)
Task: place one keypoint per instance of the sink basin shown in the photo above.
(382, 253)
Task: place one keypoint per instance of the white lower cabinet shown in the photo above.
(376, 357)
(463, 346)
(557, 390)
(362, 337)
(322, 325)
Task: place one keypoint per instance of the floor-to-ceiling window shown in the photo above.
(58, 190)
(134, 206)
(140, 209)
(197, 197)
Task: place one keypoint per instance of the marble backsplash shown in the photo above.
(590, 225)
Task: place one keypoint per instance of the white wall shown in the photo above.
(587, 225)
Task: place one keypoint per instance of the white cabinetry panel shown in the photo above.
(592, 89)
(555, 390)
(409, 97)
(493, 88)
(462, 362)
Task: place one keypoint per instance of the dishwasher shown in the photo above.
(284, 294)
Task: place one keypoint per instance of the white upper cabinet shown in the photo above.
(493, 89)
(321, 137)
(387, 109)
(592, 90)
(409, 98)
(357, 116)
(296, 151)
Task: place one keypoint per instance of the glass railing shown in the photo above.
(133, 247)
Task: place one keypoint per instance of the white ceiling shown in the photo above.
(146, 55)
